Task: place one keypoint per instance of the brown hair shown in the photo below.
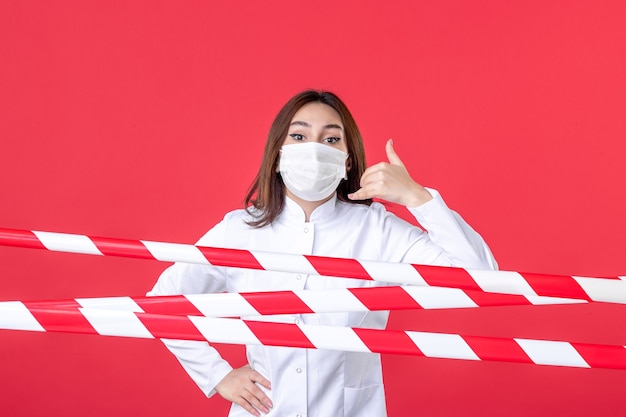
(267, 193)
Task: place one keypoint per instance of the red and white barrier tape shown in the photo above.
(611, 290)
(299, 301)
(224, 330)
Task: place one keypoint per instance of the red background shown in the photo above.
(146, 120)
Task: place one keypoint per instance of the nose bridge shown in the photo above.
(317, 132)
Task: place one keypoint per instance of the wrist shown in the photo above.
(418, 197)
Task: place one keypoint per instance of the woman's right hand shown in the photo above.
(240, 387)
(391, 182)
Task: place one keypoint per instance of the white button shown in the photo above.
(299, 370)
(298, 415)
(306, 230)
(296, 321)
(299, 277)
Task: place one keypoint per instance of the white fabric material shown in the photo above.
(312, 171)
(328, 383)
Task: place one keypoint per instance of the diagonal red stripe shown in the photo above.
(279, 302)
(121, 247)
(279, 334)
(174, 305)
(383, 297)
(486, 299)
(612, 357)
(388, 341)
(20, 238)
(555, 286)
(237, 258)
(338, 267)
(170, 327)
(66, 319)
(491, 349)
(438, 276)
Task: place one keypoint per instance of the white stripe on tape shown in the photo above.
(442, 345)
(438, 297)
(65, 242)
(549, 352)
(335, 338)
(110, 303)
(15, 316)
(175, 252)
(116, 323)
(221, 305)
(610, 290)
(507, 282)
(224, 330)
(393, 272)
(328, 300)
(284, 262)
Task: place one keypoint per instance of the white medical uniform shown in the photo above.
(310, 382)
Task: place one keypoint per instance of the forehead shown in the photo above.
(317, 113)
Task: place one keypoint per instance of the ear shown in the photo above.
(348, 167)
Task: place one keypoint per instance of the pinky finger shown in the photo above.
(357, 195)
(248, 407)
(363, 193)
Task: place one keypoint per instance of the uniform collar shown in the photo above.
(292, 212)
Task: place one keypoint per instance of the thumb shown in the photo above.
(392, 156)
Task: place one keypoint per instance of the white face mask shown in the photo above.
(312, 171)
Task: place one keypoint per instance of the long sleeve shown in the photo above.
(449, 240)
(200, 360)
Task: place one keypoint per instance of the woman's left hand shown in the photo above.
(391, 182)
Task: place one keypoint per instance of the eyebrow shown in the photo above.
(305, 124)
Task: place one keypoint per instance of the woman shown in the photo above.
(313, 195)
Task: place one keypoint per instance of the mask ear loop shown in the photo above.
(280, 151)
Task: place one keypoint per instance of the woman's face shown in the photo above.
(317, 122)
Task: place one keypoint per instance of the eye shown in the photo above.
(332, 140)
(297, 136)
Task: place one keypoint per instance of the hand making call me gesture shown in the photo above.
(392, 182)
